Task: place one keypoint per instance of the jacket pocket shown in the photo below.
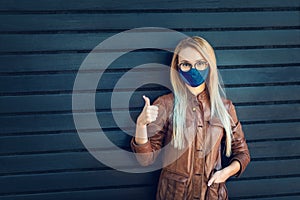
(172, 186)
(217, 191)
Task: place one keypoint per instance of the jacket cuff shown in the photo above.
(140, 148)
(242, 159)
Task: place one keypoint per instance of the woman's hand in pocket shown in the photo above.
(218, 177)
(222, 175)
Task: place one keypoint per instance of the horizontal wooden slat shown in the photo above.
(281, 197)
(93, 194)
(258, 57)
(87, 180)
(263, 94)
(145, 193)
(87, 41)
(62, 102)
(47, 22)
(271, 131)
(274, 149)
(61, 122)
(65, 82)
(57, 5)
(56, 142)
(248, 188)
(60, 62)
(48, 162)
(268, 112)
(259, 75)
(279, 168)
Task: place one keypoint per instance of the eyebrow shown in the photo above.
(196, 60)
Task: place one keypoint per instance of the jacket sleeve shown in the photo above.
(239, 147)
(156, 130)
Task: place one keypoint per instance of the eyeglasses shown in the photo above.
(186, 66)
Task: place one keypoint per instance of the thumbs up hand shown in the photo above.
(149, 113)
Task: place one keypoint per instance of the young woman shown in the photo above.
(194, 119)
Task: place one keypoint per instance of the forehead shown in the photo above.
(189, 54)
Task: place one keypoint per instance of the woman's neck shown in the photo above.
(196, 90)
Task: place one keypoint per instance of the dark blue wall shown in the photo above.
(43, 43)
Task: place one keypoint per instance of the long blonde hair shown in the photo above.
(215, 91)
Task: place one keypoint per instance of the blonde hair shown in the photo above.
(214, 89)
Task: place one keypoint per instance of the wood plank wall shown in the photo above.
(43, 43)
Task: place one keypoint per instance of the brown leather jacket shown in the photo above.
(187, 177)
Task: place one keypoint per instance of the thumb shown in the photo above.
(147, 100)
(211, 181)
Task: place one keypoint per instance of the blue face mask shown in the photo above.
(194, 77)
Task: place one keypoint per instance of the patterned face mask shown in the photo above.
(194, 77)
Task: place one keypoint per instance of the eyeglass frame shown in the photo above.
(206, 64)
